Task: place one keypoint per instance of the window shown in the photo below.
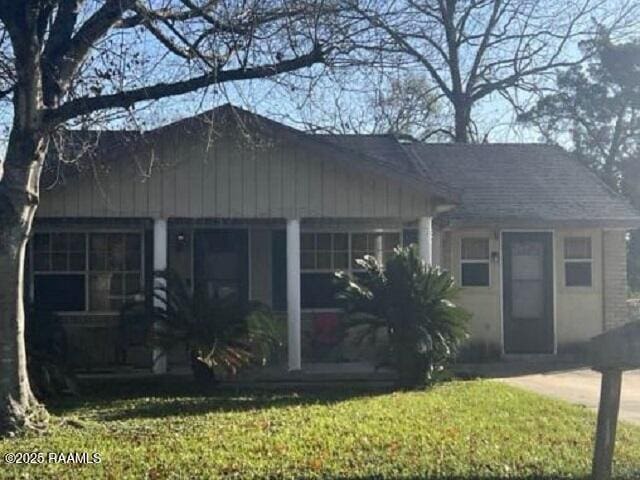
(59, 264)
(86, 272)
(474, 262)
(114, 270)
(322, 253)
(577, 262)
(380, 245)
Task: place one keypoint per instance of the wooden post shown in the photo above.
(607, 423)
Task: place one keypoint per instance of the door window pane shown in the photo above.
(526, 260)
(527, 280)
(527, 299)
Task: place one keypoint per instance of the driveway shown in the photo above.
(582, 386)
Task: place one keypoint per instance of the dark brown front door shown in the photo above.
(221, 263)
(528, 292)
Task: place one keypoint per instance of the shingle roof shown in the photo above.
(522, 185)
(528, 185)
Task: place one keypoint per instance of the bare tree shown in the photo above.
(473, 50)
(407, 107)
(367, 101)
(62, 60)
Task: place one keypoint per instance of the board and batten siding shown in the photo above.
(183, 177)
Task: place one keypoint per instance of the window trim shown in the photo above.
(589, 260)
(486, 261)
(86, 272)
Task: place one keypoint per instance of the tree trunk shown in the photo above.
(19, 409)
(462, 120)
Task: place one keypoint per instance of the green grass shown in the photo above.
(474, 429)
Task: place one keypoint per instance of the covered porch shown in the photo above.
(287, 265)
(86, 270)
(252, 208)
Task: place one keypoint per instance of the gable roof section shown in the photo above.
(390, 153)
(528, 185)
(516, 185)
(392, 163)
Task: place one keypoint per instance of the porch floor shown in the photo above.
(311, 374)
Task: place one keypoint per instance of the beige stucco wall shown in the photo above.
(578, 310)
(482, 302)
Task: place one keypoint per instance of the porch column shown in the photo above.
(293, 294)
(425, 239)
(159, 358)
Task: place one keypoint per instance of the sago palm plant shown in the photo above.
(221, 334)
(414, 303)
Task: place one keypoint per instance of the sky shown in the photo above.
(331, 97)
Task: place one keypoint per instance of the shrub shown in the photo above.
(414, 303)
(221, 334)
(48, 355)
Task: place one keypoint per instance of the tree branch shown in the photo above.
(125, 99)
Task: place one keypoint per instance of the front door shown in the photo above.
(528, 292)
(221, 263)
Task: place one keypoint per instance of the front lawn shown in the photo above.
(456, 430)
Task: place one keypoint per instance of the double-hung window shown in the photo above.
(578, 262)
(474, 262)
(79, 272)
(59, 271)
(379, 245)
(323, 253)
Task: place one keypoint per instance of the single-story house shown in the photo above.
(238, 203)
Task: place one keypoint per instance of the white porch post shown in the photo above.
(293, 294)
(159, 358)
(425, 239)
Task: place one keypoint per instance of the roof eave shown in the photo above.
(540, 224)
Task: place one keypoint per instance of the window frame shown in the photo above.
(87, 272)
(486, 261)
(350, 269)
(332, 251)
(569, 260)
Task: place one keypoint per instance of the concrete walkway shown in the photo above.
(582, 386)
